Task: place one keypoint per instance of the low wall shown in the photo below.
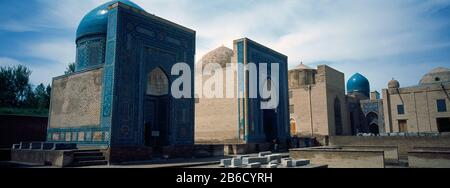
(404, 143)
(429, 159)
(338, 158)
(15, 129)
(117, 155)
(41, 157)
(240, 149)
(211, 150)
(432, 148)
(5, 154)
(390, 152)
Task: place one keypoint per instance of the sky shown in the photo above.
(381, 39)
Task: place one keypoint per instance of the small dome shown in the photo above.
(393, 84)
(358, 84)
(302, 66)
(221, 56)
(437, 75)
(96, 21)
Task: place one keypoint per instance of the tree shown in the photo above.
(30, 98)
(7, 95)
(21, 82)
(42, 94)
(14, 82)
(48, 96)
(70, 69)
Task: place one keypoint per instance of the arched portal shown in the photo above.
(157, 83)
(338, 117)
(156, 109)
(374, 129)
(372, 119)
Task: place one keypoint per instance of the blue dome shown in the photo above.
(358, 84)
(96, 21)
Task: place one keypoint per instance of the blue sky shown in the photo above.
(381, 39)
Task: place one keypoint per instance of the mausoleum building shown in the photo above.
(119, 97)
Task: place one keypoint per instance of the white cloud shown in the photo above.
(350, 32)
(40, 73)
(59, 51)
(6, 61)
(303, 30)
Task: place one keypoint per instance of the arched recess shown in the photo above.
(372, 120)
(156, 110)
(338, 117)
(157, 83)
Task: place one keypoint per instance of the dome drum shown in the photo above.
(90, 52)
(91, 36)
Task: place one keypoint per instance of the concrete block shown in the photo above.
(236, 163)
(36, 145)
(254, 165)
(274, 157)
(48, 146)
(393, 134)
(384, 134)
(225, 163)
(24, 145)
(263, 154)
(287, 163)
(272, 166)
(301, 162)
(275, 162)
(242, 156)
(249, 160)
(16, 146)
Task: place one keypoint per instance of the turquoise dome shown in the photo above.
(96, 21)
(358, 84)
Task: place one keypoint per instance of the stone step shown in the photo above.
(89, 163)
(89, 158)
(87, 154)
(93, 157)
(88, 150)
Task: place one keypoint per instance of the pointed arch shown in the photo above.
(157, 83)
(338, 117)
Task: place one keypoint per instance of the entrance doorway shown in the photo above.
(443, 124)
(402, 126)
(373, 128)
(372, 119)
(270, 125)
(156, 111)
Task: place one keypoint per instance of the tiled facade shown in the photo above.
(136, 43)
(233, 120)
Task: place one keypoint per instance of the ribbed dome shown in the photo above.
(358, 84)
(96, 21)
(393, 84)
(437, 75)
(221, 56)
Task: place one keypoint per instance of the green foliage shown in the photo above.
(70, 69)
(17, 96)
(24, 111)
(14, 82)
